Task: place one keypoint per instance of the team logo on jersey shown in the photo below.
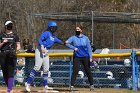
(8, 38)
(51, 38)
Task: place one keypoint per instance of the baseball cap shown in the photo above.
(8, 22)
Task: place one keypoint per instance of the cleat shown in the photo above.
(92, 87)
(27, 87)
(71, 88)
(10, 91)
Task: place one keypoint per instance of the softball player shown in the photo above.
(9, 44)
(46, 41)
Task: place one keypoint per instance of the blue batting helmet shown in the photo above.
(52, 23)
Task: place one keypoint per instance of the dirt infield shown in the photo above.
(66, 90)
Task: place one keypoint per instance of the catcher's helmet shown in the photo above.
(52, 23)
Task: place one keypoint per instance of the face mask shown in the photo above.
(77, 33)
(53, 29)
(9, 26)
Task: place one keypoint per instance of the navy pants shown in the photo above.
(85, 61)
(8, 65)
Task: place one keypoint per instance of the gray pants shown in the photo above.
(41, 60)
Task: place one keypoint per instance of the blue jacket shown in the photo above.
(83, 45)
(47, 39)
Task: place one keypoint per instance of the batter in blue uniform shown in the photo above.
(45, 42)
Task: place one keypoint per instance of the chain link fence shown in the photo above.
(113, 73)
(113, 30)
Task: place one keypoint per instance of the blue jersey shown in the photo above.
(83, 45)
(47, 39)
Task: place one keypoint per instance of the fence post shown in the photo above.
(134, 70)
(137, 72)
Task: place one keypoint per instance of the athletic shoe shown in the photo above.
(71, 88)
(10, 91)
(27, 87)
(92, 87)
(48, 88)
